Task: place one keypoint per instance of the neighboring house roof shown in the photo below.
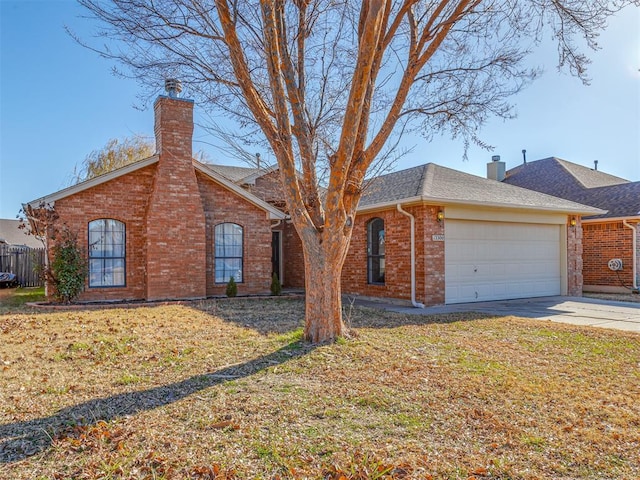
(12, 234)
(560, 178)
(51, 199)
(241, 175)
(435, 184)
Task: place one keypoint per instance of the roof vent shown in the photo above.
(173, 87)
(595, 164)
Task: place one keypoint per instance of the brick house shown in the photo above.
(169, 227)
(434, 235)
(614, 235)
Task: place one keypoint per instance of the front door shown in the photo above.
(275, 254)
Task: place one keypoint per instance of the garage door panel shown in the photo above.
(494, 260)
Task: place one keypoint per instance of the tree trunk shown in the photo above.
(324, 256)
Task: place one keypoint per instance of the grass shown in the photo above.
(227, 389)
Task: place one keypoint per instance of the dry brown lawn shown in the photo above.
(226, 389)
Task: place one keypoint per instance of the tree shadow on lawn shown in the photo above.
(20, 440)
(281, 315)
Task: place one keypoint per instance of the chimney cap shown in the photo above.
(173, 87)
(495, 158)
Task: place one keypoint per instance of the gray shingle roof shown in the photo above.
(235, 174)
(432, 182)
(580, 184)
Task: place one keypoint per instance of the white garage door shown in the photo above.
(496, 261)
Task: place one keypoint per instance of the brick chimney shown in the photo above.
(176, 245)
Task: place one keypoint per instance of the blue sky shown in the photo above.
(59, 101)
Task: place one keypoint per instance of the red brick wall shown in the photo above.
(220, 206)
(429, 257)
(432, 255)
(123, 199)
(269, 188)
(601, 243)
(293, 257)
(176, 243)
(574, 258)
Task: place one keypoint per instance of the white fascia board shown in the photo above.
(583, 210)
(635, 218)
(273, 212)
(92, 182)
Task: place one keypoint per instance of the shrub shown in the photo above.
(68, 269)
(276, 288)
(232, 288)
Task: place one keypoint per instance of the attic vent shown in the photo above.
(173, 87)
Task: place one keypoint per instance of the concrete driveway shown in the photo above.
(574, 310)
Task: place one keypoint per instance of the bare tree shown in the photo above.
(328, 82)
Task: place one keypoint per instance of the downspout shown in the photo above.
(413, 256)
(635, 252)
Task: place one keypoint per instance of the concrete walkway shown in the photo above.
(573, 310)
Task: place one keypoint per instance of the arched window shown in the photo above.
(228, 251)
(375, 251)
(107, 253)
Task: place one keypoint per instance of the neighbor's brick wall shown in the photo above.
(123, 199)
(220, 206)
(575, 264)
(601, 243)
(176, 242)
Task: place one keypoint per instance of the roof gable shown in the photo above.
(560, 178)
(218, 177)
(100, 179)
(92, 182)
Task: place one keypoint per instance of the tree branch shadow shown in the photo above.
(20, 440)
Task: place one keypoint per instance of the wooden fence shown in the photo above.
(27, 263)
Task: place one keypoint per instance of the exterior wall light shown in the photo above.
(573, 221)
(440, 215)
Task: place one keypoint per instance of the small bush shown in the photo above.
(68, 269)
(232, 288)
(276, 288)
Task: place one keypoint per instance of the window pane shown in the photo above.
(107, 248)
(228, 252)
(227, 268)
(375, 251)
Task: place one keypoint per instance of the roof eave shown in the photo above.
(583, 210)
(635, 218)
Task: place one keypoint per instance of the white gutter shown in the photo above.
(635, 253)
(586, 211)
(413, 256)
